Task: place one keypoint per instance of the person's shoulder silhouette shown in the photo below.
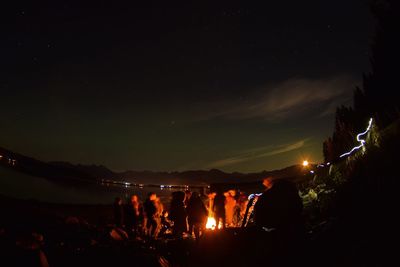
(279, 206)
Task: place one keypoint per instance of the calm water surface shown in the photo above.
(22, 186)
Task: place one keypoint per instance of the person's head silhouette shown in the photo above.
(268, 182)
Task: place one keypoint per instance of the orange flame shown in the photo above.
(212, 224)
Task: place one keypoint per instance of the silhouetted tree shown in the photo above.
(343, 134)
(328, 150)
(380, 83)
(377, 97)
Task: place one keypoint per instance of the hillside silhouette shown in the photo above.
(352, 207)
(68, 172)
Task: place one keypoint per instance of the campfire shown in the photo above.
(212, 224)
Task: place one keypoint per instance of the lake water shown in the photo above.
(23, 186)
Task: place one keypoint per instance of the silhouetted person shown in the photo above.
(177, 213)
(188, 195)
(197, 214)
(164, 223)
(132, 214)
(160, 210)
(151, 212)
(230, 204)
(118, 212)
(279, 209)
(280, 206)
(241, 208)
(219, 208)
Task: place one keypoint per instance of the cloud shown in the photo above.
(256, 153)
(287, 99)
(331, 106)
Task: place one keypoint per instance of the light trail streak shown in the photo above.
(361, 141)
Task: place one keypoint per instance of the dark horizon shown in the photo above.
(25, 163)
(163, 87)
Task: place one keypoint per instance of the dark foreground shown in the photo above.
(33, 233)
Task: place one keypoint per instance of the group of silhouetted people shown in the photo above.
(187, 214)
(138, 218)
(279, 208)
(228, 207)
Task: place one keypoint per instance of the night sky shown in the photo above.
(151, 85)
